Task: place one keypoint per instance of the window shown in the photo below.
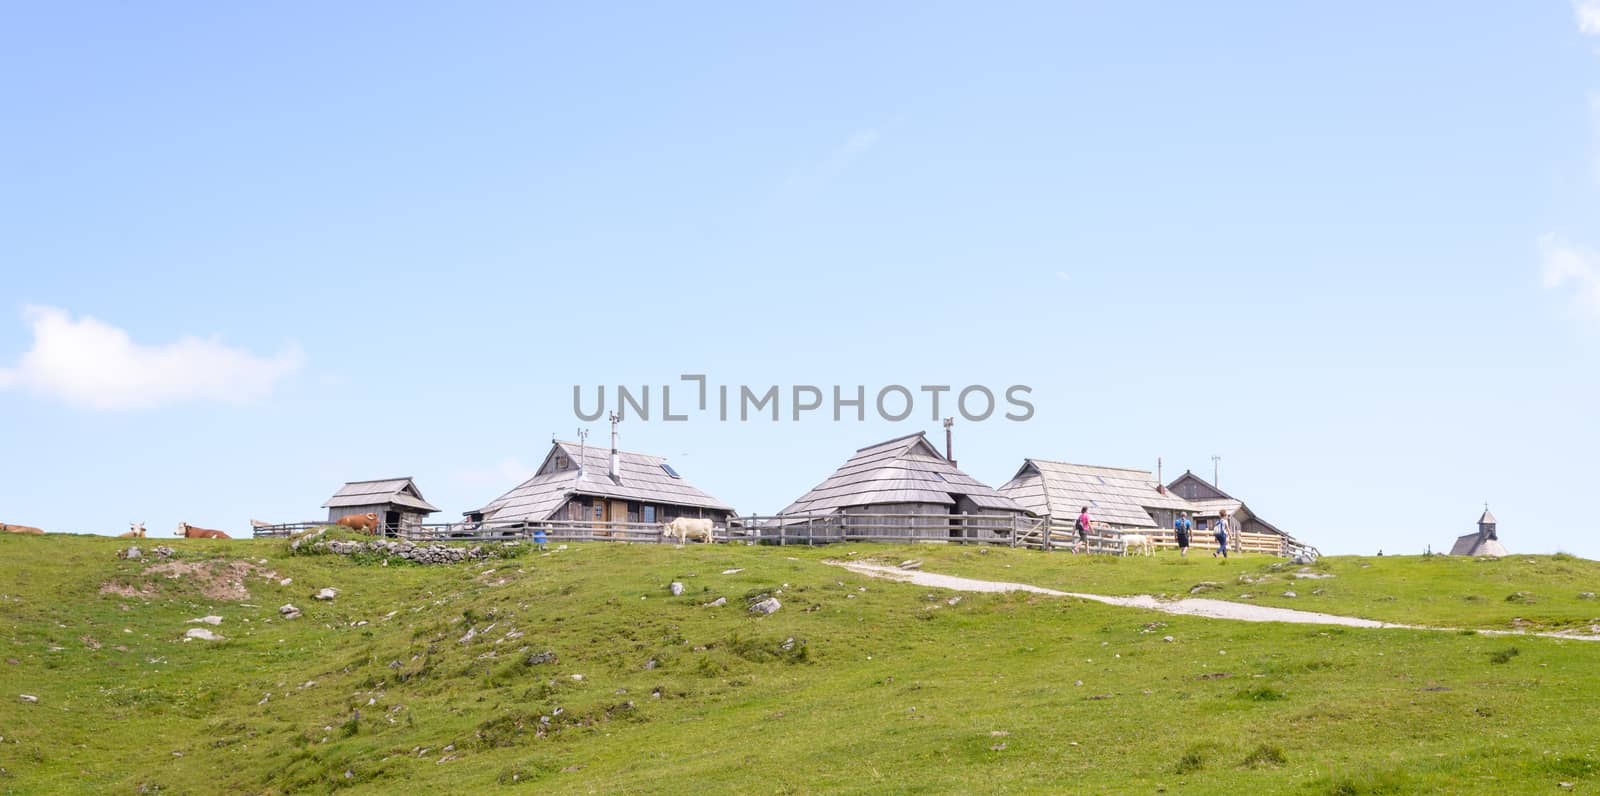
(599, 511)
(667, 468)
(1199, 525)
(562, 463)
(649, 513)
(938, 476)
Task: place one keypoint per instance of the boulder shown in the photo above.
(202, 634)
(676, 588)
(717, 603)
(132, 553)
(210, 620)
(27, 698)
(288, 611)
(540, 658)
(326, 594)
(766, 607)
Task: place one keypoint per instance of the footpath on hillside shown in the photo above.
(1189, 606)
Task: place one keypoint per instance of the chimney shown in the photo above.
(949, 422)
(614, 457)
(1161, 483)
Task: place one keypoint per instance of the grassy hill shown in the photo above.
(437, 678)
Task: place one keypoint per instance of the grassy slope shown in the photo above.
(1437, 590)
(891, 690)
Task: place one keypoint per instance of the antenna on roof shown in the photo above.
(1216, 470)
(949, 423)
(615, 475)
(583, 444)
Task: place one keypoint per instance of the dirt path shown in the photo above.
(1190, 606)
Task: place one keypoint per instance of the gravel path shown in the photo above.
(1190, 606)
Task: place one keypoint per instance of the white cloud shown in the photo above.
(850, 151)
(818, 174)
(1588, 13)
(1571, 267)
(89, 363)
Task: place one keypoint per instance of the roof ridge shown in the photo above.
(381, 480)
(1095, 466)
(603, 449)
(888, 441)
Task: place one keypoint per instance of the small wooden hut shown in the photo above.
(397, 502)
(906, 476)
(1206, 502)
(577, 482)
(1121, 498)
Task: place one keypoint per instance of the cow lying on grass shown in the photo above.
(19, 529)
(135, 531)
(366, 523)
(688, 527)
(1138, 541)
(188, 531)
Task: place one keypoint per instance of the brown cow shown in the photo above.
(357, 522)
(188, 531)
(19, 529)
(367, 523)
(135, 531)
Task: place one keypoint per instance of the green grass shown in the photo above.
(856, 685)
(1514, 593)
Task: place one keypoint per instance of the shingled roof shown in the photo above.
(1477, 544)
(901, 470)
(641, 477)
(393, 491)
(1114, 495)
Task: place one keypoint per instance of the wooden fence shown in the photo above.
(1047, 534)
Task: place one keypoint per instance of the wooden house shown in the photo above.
(903, 476)
(589, 483)
(1118, 497)
(397, 502)
(1206, 503)
(1486, 542)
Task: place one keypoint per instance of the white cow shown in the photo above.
(1143, 543)
(686, 527)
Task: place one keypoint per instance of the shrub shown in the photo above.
(1192, 760)
(1505, 655)
(1265, 756)
(1262, 694)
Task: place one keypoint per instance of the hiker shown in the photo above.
(1082, 527)
(539, 537)
(1181, 526)
(1222, 534)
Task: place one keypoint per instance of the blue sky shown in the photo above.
(252, 252)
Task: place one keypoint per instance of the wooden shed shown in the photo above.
(1122, 498)
(903, 476)
(577, 482)
(1206, 502)
(397, 502)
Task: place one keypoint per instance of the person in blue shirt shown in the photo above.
(1181, 526)
(539, 537)
(1221, 533)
